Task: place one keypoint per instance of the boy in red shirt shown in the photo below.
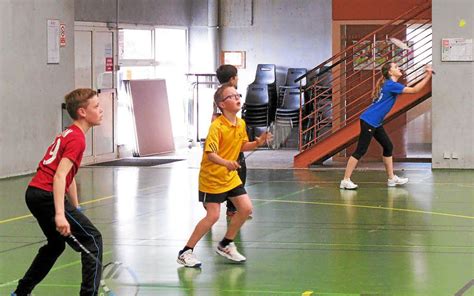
(59, 217)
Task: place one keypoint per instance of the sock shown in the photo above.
(225, 242)
(185, 249)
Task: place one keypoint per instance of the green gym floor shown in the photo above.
(305, 235)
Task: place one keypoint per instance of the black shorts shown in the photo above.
(221, 197)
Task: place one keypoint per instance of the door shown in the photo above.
(94, 68)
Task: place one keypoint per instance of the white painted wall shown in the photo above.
(453, 88)
(31, 91)
(287, 33)
(144, 12)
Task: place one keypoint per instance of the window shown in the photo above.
(151, 54)
(135, 45)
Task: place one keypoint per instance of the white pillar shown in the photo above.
(213, 33)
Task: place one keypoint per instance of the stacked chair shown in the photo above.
(291, 75)
(263, 104)
(266, 74)
(324, 102)
(289, 106)
(288, 115)
(256, 108)
(261, 99)
(322, 107)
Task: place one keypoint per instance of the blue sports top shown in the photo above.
(376, 112)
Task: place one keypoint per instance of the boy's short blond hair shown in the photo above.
(219, 94)
(76, 99)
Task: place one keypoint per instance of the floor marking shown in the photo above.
(283, 196)
(82, 203)
(365, 207)
(356, 245)
(465, 288)
(157, 286)
(416, 182)
(15, 218)
(14, 282)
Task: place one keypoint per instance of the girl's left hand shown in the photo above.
(428, 69)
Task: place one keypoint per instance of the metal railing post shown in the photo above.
(374, 40)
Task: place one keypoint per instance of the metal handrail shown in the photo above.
(419, 9)
(351, 84)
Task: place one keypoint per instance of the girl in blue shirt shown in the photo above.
(371, 120)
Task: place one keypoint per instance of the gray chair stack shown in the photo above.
(260, 101)
(291, 75)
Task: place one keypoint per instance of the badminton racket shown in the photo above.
(253, 151)
(115, 275)
(281, 130)
(402, 45)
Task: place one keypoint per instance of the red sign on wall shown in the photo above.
(109, 64)
(62, 35)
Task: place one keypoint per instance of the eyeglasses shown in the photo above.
(235, 97)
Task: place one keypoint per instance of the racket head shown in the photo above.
(398, 43)
(280, 129)
(118, 279)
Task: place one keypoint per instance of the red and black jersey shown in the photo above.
(71, 144)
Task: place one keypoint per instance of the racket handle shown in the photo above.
(432, 71)
(71, 236)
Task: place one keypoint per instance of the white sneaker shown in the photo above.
(347, 184)
(396, 180)
(230, 252)
(188, 259)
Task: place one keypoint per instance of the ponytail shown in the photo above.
(378, 86)
(385, 75)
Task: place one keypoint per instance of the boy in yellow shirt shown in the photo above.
(218, 178)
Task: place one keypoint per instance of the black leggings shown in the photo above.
(41, 205)
(366, 133)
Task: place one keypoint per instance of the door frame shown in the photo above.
(94, 28)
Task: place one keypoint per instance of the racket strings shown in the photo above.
(114, 274)
(281, 131)
(118, 277)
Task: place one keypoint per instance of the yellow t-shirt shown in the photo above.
(226, 140)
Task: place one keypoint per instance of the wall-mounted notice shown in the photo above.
(53, 41)
(456, 50)
(236, 58)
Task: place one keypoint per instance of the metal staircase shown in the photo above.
(340, 88)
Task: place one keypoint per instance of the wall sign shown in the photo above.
(236, 58)
(53, 41)
(62, 35)
(456, 50)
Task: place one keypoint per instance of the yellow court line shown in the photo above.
(359, 182)
(15, 218)
(96, 200)
(366, 207)
(82, 203)
(365, 245)
(30, 215)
